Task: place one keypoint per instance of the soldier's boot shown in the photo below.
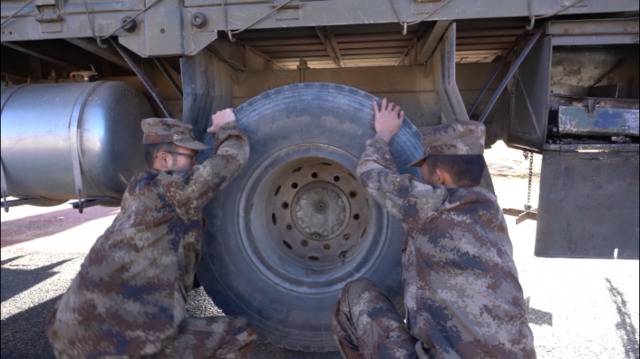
(366, 324)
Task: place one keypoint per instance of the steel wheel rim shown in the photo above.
(271, 238)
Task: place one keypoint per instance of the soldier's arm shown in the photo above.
(213, 174)
(402, 195)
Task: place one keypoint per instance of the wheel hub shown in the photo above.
(317, 208)
(320, 210)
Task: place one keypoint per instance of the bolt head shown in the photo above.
(199, 20)
(129, 24)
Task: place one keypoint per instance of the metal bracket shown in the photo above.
(287, 10)
(521, 215)
(3, 179)
(90, 202)
(142, 77)
(164, 28)
(6, 204)
(49, 16)
(506, 57)
(525, 96)
(48, 13)
(512, 70)
(74, 139)
(443, 63)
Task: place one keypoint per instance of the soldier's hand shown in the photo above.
(387, 119)
(220, 118)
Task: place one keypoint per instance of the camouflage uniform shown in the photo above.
(128, 300)
(462, 296)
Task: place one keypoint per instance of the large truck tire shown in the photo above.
(296, 225)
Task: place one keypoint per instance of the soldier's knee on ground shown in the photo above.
(354, 290)
(349, 297)
(238, 340)
(342, 323)
(366, 324)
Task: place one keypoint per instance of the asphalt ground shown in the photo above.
(578, 308)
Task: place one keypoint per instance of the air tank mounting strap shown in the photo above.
(3, 184)
(7, 93)
(74, 139)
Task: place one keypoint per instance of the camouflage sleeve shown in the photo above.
(213, 174)
(402, 195)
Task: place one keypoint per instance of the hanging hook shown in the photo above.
(532, 18)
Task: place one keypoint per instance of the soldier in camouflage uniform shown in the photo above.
(462, 296)
(128, 300)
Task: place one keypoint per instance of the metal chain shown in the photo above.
(529, 155)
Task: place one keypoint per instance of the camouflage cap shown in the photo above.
(459, 138)
(169, 130)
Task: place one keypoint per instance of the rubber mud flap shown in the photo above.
(296, 225)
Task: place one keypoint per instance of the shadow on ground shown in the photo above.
(23, 334)
(15, 281)
(537, 316)
(625, 328)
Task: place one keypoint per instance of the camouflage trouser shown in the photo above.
(213, 337)
(366, 324)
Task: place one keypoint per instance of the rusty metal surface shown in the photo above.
(581, 71)
(578, 120)
(575, 69)
(592, 102)
(592, 147)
